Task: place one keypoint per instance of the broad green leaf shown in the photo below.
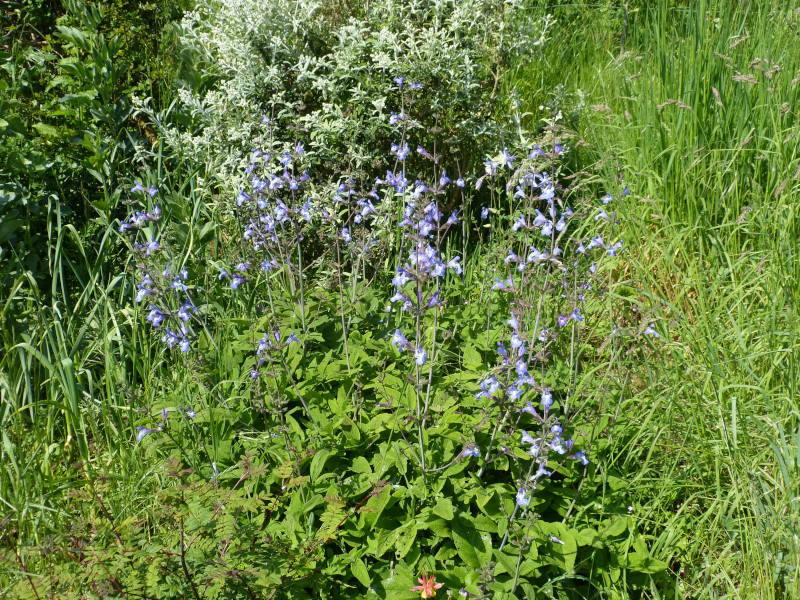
(359, 571)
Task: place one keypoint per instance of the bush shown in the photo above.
(331, 67)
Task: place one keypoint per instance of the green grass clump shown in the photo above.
(696, 113)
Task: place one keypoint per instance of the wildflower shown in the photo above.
(190, 413)
(522, 497)
(183, 311)
(547, 399)
(555, 540)
(651, 331)
(485, 212)
(460, 182)
(536, 152)
(428, 586)
(156, 316)
(501, 350)
(581, 456)
(471, 451)
(420, 356)
(509, 158)
(399, 340)
(143, 431)
(513, 322)
(612, 249)
(607, 199)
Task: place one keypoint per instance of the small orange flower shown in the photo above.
(428, 587)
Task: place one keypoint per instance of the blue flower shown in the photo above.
(399, 340)
(581, 456)
(156, 317)
(536, 152)
(420, 356)
(547, 399)
(471, 451)
(143, 431)
(651, 331)
(522, 497)
(509, 158)
(190, 413)
(183, 311)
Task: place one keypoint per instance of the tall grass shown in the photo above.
(694, 113)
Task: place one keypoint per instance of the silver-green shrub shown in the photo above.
(329, 68)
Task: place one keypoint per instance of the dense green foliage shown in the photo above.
(164, 436)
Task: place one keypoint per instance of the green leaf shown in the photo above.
(444, 508)
(318, 463)
(472, 547)
(617, 527)
(359, 571)
(405, 539)
(644, 563)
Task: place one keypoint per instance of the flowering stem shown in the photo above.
(302, 297)
(341, 303)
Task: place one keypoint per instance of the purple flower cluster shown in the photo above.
(269, 344)
(171, 308)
